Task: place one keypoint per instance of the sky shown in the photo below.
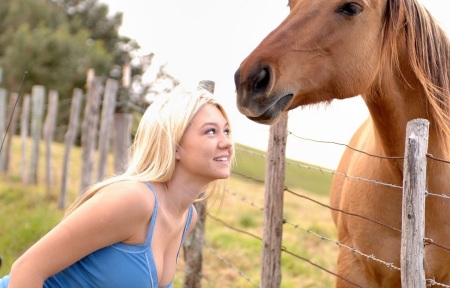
(207, 40)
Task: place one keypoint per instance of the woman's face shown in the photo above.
(206, 149)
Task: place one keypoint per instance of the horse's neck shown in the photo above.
(391, 107)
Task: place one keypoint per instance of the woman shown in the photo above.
(127, 231)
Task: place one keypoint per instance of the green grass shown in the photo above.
(250, 162)
(26, 215)
(29, 211)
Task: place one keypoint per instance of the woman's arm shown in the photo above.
(119, 212)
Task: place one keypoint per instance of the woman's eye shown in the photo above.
(211, 131)
(227, 132)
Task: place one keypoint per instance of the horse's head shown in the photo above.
(323, 50)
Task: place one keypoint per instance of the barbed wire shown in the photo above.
(340, 244)
(372, 257)
(283, 248)
(345, 175)
(341, 211)
(432, 282)
(233, 228)
(346, 145)
(321, 237)
(443, 196)
(244, 199)
(229, 264)
(322, 170)
(430, 156)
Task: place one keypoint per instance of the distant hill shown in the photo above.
(251, 162)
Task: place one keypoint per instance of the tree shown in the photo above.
(93, 15)
(57, 41)
(38, 39)
(52, 57)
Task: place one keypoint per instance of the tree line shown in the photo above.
(56, 41)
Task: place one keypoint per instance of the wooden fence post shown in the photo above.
(3, 121)
(193, 246)
(109, 103)
(24, 121)
(70, 136)
(48, 133)
(122, 124)
(37, 100)
(413, 210)
(273, 204)
(13, 113)
(122, 142)
(89, 132)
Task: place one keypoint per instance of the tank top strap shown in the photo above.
(186, 227)
(148, 240)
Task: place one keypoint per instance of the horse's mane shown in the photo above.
(429, 50)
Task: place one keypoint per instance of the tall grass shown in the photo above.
(27, 212)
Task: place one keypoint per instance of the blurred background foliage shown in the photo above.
(55, 42)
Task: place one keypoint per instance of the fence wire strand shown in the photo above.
(354, 178)
(229, 264)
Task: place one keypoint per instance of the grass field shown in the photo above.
(232, 257)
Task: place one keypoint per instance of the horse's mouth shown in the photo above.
(274, 111)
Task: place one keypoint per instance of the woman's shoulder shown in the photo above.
(130, 186)
(129, 193)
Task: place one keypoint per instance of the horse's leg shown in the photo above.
(354, 273)
(350, 271)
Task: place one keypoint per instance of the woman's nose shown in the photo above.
(225, 141)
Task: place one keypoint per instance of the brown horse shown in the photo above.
(393, 54)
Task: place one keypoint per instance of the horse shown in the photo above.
(396, 57)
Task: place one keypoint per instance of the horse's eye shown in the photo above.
(350, 9)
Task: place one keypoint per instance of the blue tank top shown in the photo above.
(119, 265)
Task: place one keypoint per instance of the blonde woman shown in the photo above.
(127, 231)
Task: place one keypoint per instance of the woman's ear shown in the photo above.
(177, 154)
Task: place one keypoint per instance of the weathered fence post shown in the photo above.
(3, 121)
(109, 103)
(193, 246)
(24, 121)
(413, 211)
(89, 132)
(37, 100)
(13, 113)
(122, 125)
(48, 133)
(273, 204)
(70, 136)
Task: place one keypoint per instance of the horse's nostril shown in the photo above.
(262, 80)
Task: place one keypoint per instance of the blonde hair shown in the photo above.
(157, 137)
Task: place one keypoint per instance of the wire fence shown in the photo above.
(322, 237)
